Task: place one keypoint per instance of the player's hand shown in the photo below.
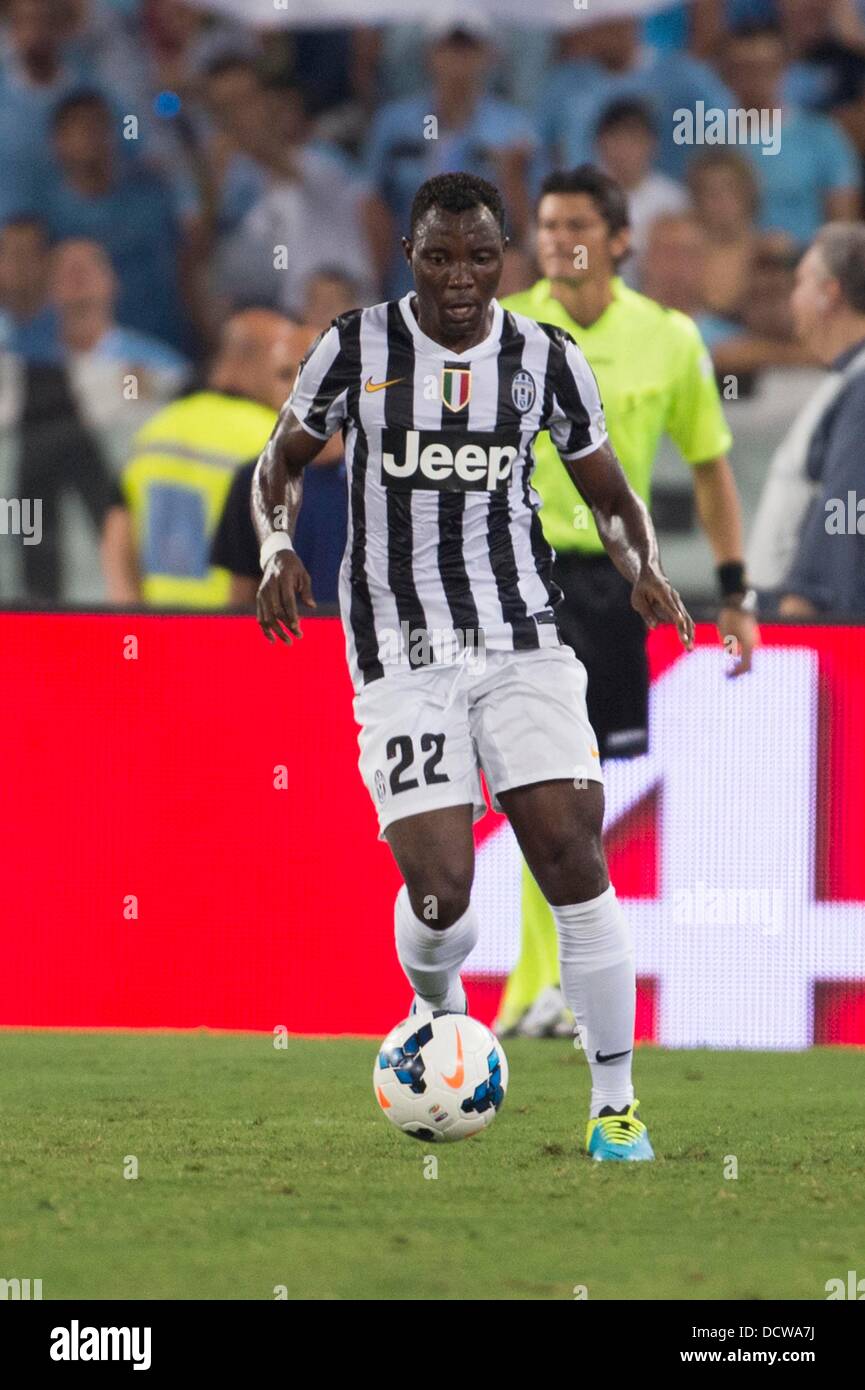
(656, 601)
(283, 582)
(740, 634)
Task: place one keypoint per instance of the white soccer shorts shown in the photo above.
(426, 734)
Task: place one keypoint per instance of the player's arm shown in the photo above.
(119, 558)
(697, 427)
(315, 410)
(720, 514)
(119, 549)
(626, 530)
(718, 508)
(277, 492)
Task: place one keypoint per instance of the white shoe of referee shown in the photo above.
(548, 1017)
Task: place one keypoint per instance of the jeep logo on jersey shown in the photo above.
(523, 391)
(456, 386)
(469, 461)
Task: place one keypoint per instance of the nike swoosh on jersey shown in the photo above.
(459, 1075)
(611, 1056)
(370, 385)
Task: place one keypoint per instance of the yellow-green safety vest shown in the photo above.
(175, 486)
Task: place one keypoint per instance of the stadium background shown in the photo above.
(154, 776)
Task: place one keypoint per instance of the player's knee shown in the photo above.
(440, 899)
(572, 870)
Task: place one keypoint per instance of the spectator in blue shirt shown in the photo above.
(84, 292)
(674, 273)
(701, 24)
(454, 125)
(247, 134)
(35, 72)
(607, 63)
(826, 45)
(29, 325)
(128, 208)
(118, 376)
(521, 59)
(231, 135)
(813, 175)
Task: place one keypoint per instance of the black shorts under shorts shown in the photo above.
(609, 638)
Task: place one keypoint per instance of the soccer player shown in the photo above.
(440, 396)
(656, 378)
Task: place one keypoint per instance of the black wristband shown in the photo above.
(731, 578)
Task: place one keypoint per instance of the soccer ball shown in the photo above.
(440, 1076)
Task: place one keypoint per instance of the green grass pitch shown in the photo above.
(260, 1167)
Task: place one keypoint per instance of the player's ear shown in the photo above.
(407, 247)
(620, 244)
(830, 294)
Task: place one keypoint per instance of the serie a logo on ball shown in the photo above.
(523, 391)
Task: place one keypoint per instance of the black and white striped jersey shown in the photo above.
(444, 537)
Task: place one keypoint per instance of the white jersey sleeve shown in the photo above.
(319, 397)
(576, 419)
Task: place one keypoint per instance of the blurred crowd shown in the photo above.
(166, 175)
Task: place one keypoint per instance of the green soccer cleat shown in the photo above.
(618, 1134)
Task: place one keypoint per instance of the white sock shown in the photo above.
(599, 984)
(431, 956)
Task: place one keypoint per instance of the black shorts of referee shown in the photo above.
(609, 638)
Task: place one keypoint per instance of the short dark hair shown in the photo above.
(842, 250)
(627, 111)
(80, 100)
(463, 38)
(20, 221)
(756, 29)
(608, 196)
(457, 193)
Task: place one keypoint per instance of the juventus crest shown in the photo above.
(456, 387)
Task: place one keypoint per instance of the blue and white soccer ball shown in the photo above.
(440, 1076)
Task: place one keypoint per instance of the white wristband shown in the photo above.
(276, 541)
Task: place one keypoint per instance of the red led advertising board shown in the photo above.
(187, 842)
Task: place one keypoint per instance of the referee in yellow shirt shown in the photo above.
(655, 378)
